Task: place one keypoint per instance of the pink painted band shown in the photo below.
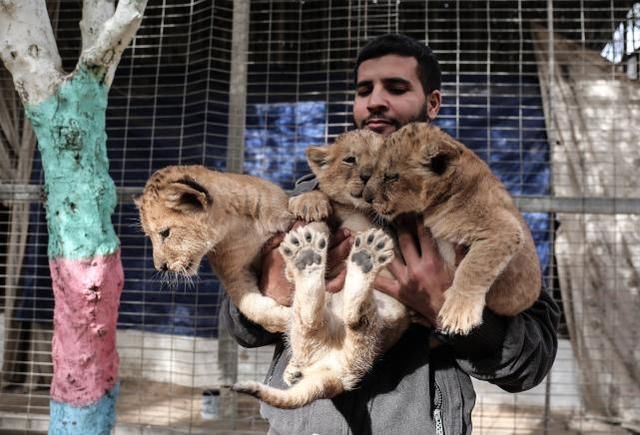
(87, 295)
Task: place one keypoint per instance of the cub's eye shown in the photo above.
(165, 233)
(390, 178)
(349, 160)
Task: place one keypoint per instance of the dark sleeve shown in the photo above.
(246, 332)
(514, 353)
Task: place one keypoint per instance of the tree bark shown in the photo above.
(68, 115)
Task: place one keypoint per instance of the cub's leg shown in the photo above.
(305, 252)
(485, 261)
(371, 251)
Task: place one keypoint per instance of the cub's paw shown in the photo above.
(292, 375)
(310, 206)
(461, 311)
(249, 387)
(371, 250)
(304, 250)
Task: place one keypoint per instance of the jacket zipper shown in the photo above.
(272, 369)
(437, 410)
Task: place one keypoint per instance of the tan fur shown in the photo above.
(342, 170)
(423, 170)
(228, 220)
(335, 337)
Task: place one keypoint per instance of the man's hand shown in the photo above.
(273, 282)
(339, 248)
(422, 278)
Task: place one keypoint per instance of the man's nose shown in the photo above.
(377, 101)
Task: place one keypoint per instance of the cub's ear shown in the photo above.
(187, 195)
(318, 158)
(440, 157)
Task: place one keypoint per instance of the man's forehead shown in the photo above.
(388, 67)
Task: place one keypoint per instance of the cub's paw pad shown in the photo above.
(304, 248)
(292, 376)
(372, 250)
(460, 313)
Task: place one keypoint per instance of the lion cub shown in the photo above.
(191, 211)
(335, 338)
(421, 169)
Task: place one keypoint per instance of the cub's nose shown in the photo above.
(367, 195)
(365, 174)
(163, 267)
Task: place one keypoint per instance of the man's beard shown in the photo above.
(421, 116)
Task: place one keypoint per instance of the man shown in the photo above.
(414, 388)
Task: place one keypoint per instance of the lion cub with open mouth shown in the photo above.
(423, 170)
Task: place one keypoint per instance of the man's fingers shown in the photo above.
(338, 253)
(407, 245)
(389, 286)
(428, 244)
(339, 236)
(398, 269)
(336, 283)
(273, 243)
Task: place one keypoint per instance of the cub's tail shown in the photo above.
(308, 389)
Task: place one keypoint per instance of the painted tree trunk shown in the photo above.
(68, 115)
(84, 254)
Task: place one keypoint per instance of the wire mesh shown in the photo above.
(173, 102)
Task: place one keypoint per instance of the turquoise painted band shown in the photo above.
(80, 194)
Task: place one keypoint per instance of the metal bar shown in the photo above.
(227, 346)
(587, 205)
(238, 86)
(532, 204)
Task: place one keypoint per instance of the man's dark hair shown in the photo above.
(402, 45)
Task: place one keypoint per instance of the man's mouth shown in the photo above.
(378, 123)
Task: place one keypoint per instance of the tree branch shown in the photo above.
(28, 49)
(114, 37)
(94, 14)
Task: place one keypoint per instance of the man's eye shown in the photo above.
(165, 233)
(363, 92)
(397, 91)
(390, 178)
(350, 160)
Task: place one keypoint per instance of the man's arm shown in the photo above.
(514, 353)
(246, 333)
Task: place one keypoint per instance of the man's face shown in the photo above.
(389, 94)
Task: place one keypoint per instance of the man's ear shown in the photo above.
(318, 158)
(434, 102)
(187, 195)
